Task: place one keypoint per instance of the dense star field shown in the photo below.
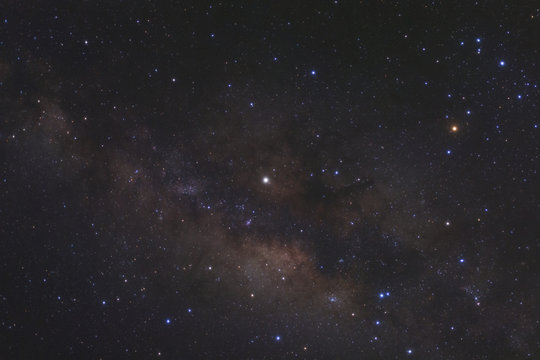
(269, 180)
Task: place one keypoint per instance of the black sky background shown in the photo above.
(269, 180)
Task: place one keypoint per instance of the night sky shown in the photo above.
(269, 180)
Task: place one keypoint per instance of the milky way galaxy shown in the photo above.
(262, 180)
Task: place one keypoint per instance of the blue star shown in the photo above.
(462, 260)
(448, 152)
(409, 351)
(502, 63)
(377, 322)
(278, 338)
(167, 321)
(381, 295)
(313, 72)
